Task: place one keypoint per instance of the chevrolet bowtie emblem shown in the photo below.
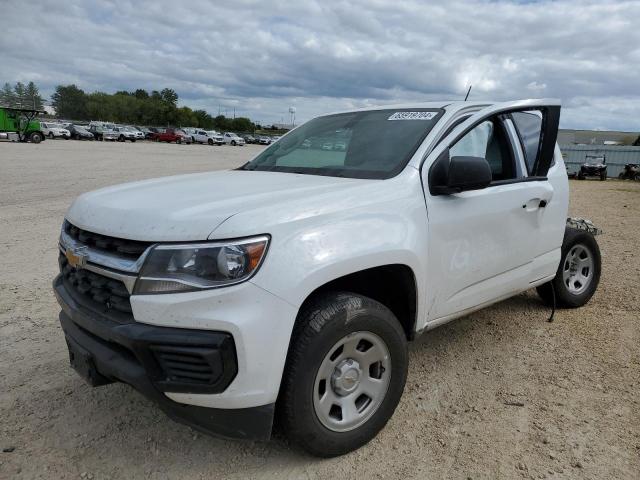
(77, 256)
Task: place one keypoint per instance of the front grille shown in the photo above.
(131, 249)
(189, 364)
(98, 292)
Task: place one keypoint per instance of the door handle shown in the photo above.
(535, 204)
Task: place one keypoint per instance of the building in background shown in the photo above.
(596, 137)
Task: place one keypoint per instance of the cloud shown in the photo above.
(262, 57)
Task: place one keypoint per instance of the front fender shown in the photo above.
(299, 264)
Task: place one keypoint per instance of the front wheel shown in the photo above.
(345, 373)
(210, 142)
(36, 137)
(51, 135)
(233, 142)
(578, 274)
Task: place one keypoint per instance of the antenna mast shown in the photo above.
(468, 92)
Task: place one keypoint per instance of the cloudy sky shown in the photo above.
(262, 57)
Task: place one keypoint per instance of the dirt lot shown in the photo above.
(577, 380)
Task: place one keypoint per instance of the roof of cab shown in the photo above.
(445, 104)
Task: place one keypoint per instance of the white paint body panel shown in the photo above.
(466, 250)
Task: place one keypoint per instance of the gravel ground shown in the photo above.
(498, 394)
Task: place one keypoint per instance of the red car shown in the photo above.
(172, 135)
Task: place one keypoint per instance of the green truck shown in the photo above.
(20, 123)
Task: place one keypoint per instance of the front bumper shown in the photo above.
(104, 351)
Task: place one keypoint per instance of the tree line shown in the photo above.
(21, 96)
(138, 107)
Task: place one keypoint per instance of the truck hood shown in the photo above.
(190, 207)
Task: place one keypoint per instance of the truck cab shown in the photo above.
(20, 123)
(293, 284)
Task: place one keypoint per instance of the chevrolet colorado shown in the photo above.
(287, 289)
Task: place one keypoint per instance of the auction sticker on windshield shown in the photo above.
(412, 116)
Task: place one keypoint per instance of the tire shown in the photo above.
(51, 135)
(36, 137)
(323, 332)
(621, 176)
(210, 142)
(179, 141)
(603, 176)
(133, 140)
(233, 142)
(574, 244)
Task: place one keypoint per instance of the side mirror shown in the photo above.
(457, 174)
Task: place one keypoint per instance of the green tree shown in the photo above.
(32, 97)
(242, 124)
(7, 96)
(70, 101)
(141, 94)
(204, 120)
(170, 96)
(20, 94)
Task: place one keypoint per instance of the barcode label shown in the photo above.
(412, 116)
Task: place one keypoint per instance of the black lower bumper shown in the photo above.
(103, 351)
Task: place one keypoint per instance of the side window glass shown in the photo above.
(529, 125)
(489, 140)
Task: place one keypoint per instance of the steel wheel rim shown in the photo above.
(352, 381)
(577, 269)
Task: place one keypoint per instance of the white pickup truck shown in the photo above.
(288, 288)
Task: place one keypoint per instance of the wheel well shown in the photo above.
(392, 285)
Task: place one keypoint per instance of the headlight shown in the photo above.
(189, 267)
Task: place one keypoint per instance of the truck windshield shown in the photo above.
(370, 144)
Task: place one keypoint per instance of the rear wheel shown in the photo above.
(51, 135)
(578, 274)
(179, 140)
(345, 373)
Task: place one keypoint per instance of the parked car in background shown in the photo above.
(136, 131)
(249, 139)
(201, 136)
(171, 135)
(54, 130)
(276, 138)
(153, 133)
(264, 140)
(103, 133)
(631, 172)
(216, 137)
(126, 133)
(593, 166)
(231, 138)
(79, 132)
(145, 131)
